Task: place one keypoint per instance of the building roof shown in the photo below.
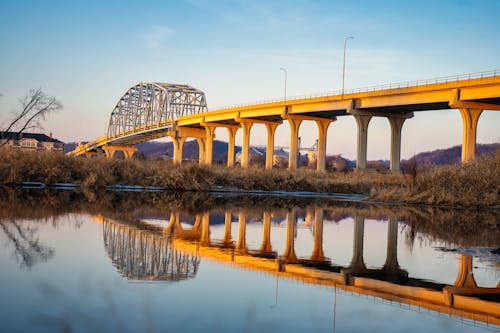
(37, 136)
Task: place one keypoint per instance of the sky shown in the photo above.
(88, 53)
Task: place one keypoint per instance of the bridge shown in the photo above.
(463, 299)
(153, 110)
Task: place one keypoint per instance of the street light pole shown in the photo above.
(284, 71)
(343, 63)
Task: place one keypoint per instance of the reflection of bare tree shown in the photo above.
(28, 249)
(144, 255)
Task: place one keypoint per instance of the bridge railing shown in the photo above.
(406, 84)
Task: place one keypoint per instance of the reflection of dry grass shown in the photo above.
(458, 226)
(474, 184)
(471, 184)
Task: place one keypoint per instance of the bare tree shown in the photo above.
(35, 106)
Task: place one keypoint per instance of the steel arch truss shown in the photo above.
(152, 105)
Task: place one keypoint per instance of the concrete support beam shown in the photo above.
(271, 129)
(391, 260)
(201, 149)
(396, 126)
(178, 143)
(231, 131)
(210, 130)
(362, 121)
(246, 127)
(265, 247)
(241, 245)
(294, 142)
(322, 131)
(127, 150)
(357, 261)
(469, 132)
(317, 252)
(205, 229)
(465, 275)
(227, 228)
(291, 222)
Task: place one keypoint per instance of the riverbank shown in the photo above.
(474, 184)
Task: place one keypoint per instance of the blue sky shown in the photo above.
(87, 54)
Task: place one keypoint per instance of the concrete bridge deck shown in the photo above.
(470, 95)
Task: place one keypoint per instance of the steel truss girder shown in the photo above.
(150, 105)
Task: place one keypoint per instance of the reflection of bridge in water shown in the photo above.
(146, 255)
(390, 282)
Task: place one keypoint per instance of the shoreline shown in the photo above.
(470, 185)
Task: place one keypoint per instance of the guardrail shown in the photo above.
(407, 84)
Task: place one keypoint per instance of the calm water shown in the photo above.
(180, 263)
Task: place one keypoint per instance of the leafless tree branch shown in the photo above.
(35, 106)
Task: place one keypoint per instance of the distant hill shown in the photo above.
(453, 154)
(156, 149)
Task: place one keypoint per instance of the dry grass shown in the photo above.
(474, 184)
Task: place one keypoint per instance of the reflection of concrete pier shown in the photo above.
(464, 298)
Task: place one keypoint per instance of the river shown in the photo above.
(191, 262)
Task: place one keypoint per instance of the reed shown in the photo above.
(474, 184)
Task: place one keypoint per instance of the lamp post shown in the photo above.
(343, 63)
(284, 71)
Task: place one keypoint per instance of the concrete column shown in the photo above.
(201, 149)
(396, 126)
(178, 144)
(362, 121)
(271, 129)
(246, 127)
(227, 228)
(469, 131)
(294, 142)
(209, 144)
(465, 276)
(291, 222)
(317, 253)
(128, 151)
(357, 262)
(231, 131)
(322, 131)
(266, 233)
(205, 229)
(109, 151)
(241, 245)
(391, 261)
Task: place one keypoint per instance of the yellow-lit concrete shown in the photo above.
(246, 127)
(362, 122)
(271, 129)
(178, 144)
(294, 142)
(322, 132)
(128, 151)
(231, 132)
(469, 96)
